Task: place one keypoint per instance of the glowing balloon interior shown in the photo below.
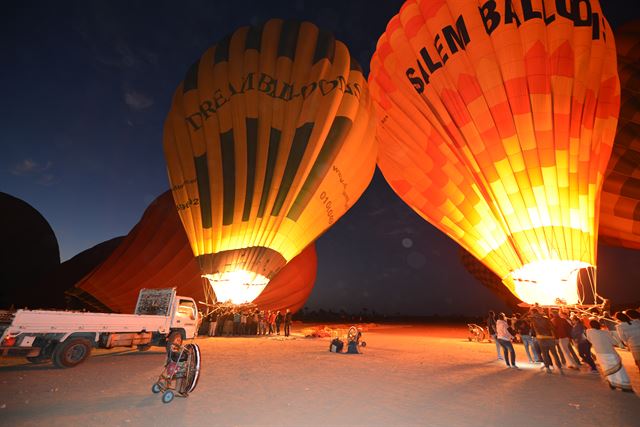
(495, 124)
(269, 141)
(237, 286)
(548, 282)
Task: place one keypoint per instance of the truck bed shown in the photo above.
(44, 321)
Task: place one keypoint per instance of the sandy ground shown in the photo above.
(407, 376)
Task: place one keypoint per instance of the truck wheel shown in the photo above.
(144, 347)
(70, 353)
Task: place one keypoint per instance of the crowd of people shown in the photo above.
(238, 320)
(559, 339)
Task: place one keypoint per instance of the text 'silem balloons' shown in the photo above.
(496, 126)
(157, 254)
(620, 202)
(269, 140)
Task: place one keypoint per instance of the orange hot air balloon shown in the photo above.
(270, 139)
(620, 202)
(157, 254)
(496, 126)
(292, 286)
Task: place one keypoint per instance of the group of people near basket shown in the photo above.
(559, 339)
(250, 322)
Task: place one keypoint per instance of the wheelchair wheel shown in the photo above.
(167, 396)
(192, 371)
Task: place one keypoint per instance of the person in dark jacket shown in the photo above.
(491, 326)
(287, 323)
(562, 331)
(546, 339)
(578, 335)
(278, 322)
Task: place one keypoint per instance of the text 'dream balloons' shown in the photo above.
(495, 124)
(620, 200)
(269, 140)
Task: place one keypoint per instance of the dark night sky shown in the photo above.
(87, 85)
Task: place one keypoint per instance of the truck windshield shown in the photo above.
(187, 308)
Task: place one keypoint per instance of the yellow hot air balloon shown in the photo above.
(495, 123)
(270, 139)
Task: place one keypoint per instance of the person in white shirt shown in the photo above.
(607, 357)
(629, 332)
(504, 338)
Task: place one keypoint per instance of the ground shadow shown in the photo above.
(44, 366)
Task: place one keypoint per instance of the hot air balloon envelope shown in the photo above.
(495, 122)
(270, 139)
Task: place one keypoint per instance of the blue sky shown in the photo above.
(87, 87)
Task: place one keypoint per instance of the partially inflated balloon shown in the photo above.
(154, 254)
(270, 139)
(620, 203)
(157, 254)
(291, 287)
(496, 120)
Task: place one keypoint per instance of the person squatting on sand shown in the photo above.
(629, 332)
(504, 338)
(608, 359)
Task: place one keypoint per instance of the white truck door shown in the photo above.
(186, 316)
